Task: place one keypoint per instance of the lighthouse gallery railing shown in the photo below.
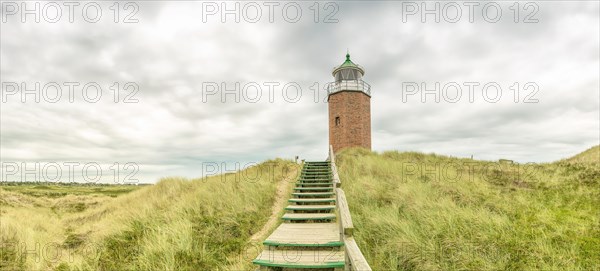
(349, 85)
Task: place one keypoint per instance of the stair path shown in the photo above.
(309, 236)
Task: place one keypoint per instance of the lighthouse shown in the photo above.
(349, 100)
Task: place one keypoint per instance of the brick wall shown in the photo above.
(353, 129)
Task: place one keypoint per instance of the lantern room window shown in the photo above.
(348, 74)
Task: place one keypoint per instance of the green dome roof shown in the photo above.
(348, 64)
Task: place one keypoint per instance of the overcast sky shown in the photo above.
(177, 120)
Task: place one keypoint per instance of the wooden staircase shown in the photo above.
(310, 235)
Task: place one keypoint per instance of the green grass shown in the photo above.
(177, 224)
(415, 211)
(51, 190)
(590, 156)
(207, 224)
(10, 256)
(412, 211)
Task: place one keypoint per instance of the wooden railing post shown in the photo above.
(336, 177)
(355, 260)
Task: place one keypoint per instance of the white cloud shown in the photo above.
(170, 53)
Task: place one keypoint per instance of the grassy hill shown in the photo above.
(177, 224)
(590, 156)
(417, 211)
(412, 211)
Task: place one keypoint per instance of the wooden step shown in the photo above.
(301, 259)
(305, 216)
(305, 235)
(316, 183)
(313, 194)
(321, 200)
(309, 207)
(313, 188)
(303, 184)
(316, 178)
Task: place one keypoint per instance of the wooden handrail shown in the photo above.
(336, 177)
(347, 228)
(331, 156)
(355, 260)
(354, 257)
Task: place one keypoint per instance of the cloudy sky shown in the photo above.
(176, 65)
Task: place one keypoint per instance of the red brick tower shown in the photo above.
(349, 99)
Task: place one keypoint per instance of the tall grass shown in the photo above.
(591, 157)
(417, 211)
(412, 211)
(177, 224)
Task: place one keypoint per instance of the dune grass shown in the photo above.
(51, 190)
(177, 224)
(412, 211)
(415, 211)
(590, 157)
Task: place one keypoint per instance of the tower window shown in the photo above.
(337, 121)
